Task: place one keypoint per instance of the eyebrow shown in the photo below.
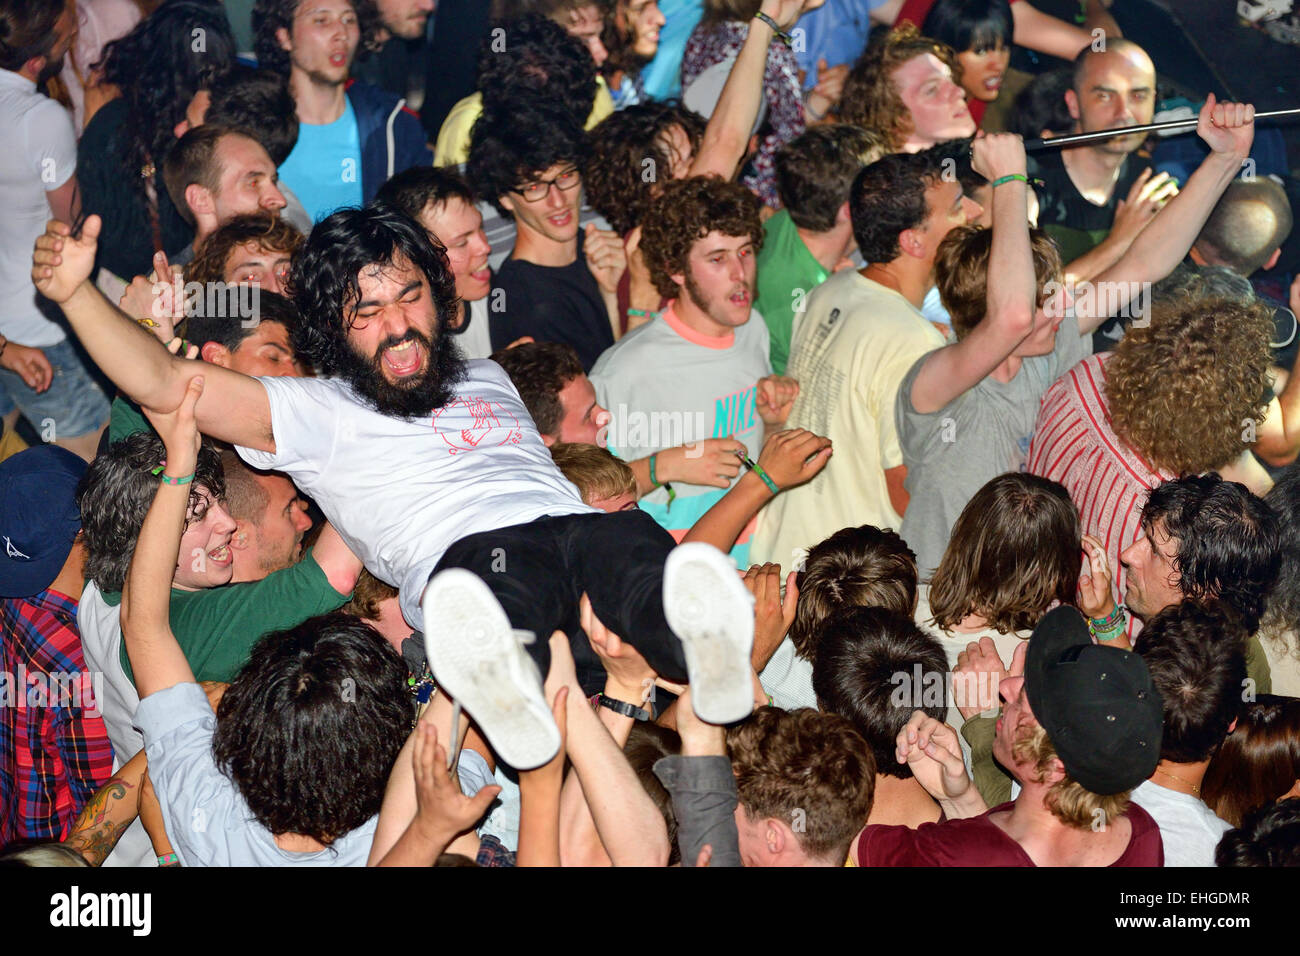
(371, 303)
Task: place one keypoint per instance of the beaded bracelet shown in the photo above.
(1111, 626)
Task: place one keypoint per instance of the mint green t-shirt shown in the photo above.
(787, 272)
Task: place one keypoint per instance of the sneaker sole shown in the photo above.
(712, 613)
(476, 657)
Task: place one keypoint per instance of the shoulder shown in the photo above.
(631, 347)
(371, 98)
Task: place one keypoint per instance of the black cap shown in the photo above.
(1097, 704)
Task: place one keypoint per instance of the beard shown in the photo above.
(51, 70)
(419, 394)
(712, 307)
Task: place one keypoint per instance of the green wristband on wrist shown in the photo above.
(1011, 178)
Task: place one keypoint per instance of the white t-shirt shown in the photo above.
(41, 156)
(401, 492)
(1189, 829)
(788, 678)
(475, 341)
(852, 345)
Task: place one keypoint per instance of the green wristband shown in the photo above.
(1013, 177)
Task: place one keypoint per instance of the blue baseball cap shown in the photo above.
(39, 518)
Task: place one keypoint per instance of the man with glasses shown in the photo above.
(560, 283)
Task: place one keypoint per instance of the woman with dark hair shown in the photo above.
(1279, 629)
(979, 32)
(1259, 762)
(631, 38)
(1013, 555)
(160, 67)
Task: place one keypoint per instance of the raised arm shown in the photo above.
(157, 660)
(1045, 33)
(1229, 129)
(1011, 290)
(234, 408)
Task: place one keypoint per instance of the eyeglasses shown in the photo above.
(539, 189)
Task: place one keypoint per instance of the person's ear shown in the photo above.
(282, 38)
(507, 204)
(912, 243)
(1072, 103)
(679, 279)
(1055, 771)
(215, 353)
(199, 199)
(843, 214)
(774, 837)
(239, 540)
(181, 128)
(1272, 260)
(1232, 726)
(549, 440)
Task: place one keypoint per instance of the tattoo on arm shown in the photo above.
(99, 826)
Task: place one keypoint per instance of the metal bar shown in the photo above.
(1075, 139)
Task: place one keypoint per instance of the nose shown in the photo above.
(598, 51)
(554, 196)
(1009, 688)
(222, 523)
(273, 199)
(602, 416)
(658, 19)
(1128, 556)
(481, 245)
(301, 520)
(271, 283)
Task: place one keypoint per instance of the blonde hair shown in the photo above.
(596, 472)
(1070, 802)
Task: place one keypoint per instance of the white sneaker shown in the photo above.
(480, 661)
(712, 613)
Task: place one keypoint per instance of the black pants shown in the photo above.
(538, 571)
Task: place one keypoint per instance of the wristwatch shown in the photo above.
(623, 707)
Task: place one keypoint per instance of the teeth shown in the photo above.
(401, 348)
(219, 554)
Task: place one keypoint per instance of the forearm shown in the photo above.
(1279, 436)
(1012, 285)
(416, 846)
(539, 818)
(1039, 31)
(727, 135)
(108, 813)
(722, 524)
(993, 784)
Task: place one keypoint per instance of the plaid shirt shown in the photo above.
(54, 753)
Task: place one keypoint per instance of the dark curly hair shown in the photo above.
(629, 160)
(1229, 541)
(870, 98)
(1187, 389)
(1281, 621)
(310, 728)
(324, 285)
(505, 150)
(619, 41)
(1041, 106)
(539, 372)
(1196, 655)
(115, 494)
(272, 15)
(159, 66)
(533, 56)
(889, 196)
(689, 210)
(270, 233)
(1269, 836)
(258, 103)
(869, 661)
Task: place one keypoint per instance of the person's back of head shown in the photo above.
(311, 726)
(1229, 541)
(854, 567)
(961, 268)
(508, 148)
(1210, 282)
(1259, 762)
(689, 210)
(888, 197)
(115, 495)
(1247, 227)
(1268, 837)
(646, 745)
(876, 667)
(415, 190)
(39, 520)
(1196, 656)
(539, 371)
(1200, 362)
(1040, 107)
(815, 170)
(805, 782)
(258, 103)
(27, 31)
(533, 56)
(633, 153)
(44, 854)
(1280, 623)
(1014, 550)
(871, 98)
(597, 474)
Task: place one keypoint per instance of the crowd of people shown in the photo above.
(713, 440)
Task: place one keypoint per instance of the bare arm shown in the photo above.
(1229, 129)
(539, 798)
(108, 813)
(65, 202)
(234, 407)
(1012, 287)
(1039, 31)
(895, 484)
(341, 566)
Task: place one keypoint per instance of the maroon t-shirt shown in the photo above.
(978, 841)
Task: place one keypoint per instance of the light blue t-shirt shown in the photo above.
(324, 169)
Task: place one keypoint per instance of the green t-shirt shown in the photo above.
(217, 627)
(125, 419)
(787, 272)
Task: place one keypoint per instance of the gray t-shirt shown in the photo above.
(952, 453)
(207, 819)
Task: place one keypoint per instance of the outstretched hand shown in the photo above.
(443, 811)
(61, 263)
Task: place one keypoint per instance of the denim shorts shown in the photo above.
(73, 405)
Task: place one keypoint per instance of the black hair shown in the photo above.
(179, 49)
(268, 16)
(1203, 282)
(414, 190)
(505, 151)
(311, 727)
(875, 668)
(888, 197)
(115, 494)
(1281, 620)
(970, 25)
(259, 104)
(1041, 106)
(1196, 655)
(326, 289)
(1268, 837)
(228, 327)
(815, 170)
(533, 56)
(539, 371)
(1229, 541)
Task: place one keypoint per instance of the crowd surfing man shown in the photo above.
(445, 444)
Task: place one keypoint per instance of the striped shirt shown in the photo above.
(54, 748)
(1075, 444)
